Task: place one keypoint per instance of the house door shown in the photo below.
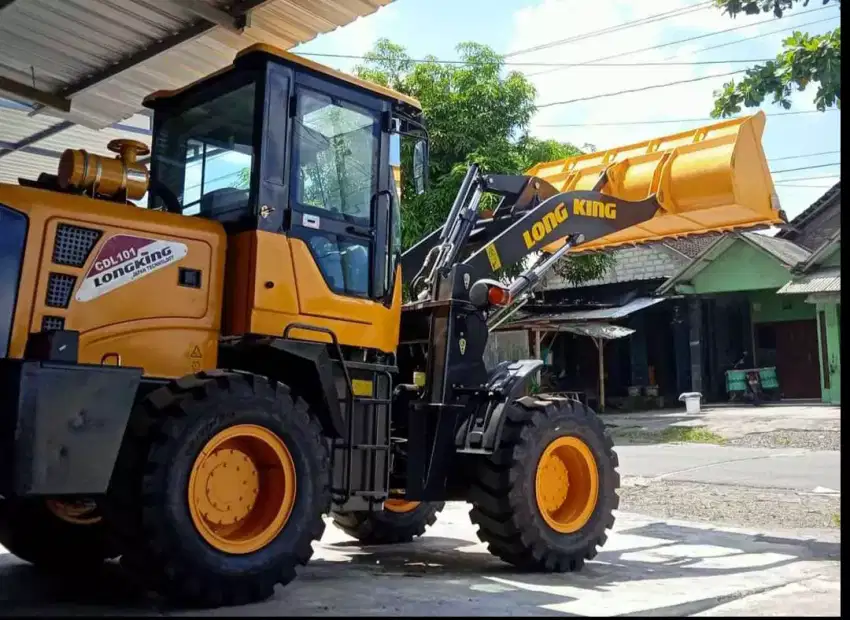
(797, 362)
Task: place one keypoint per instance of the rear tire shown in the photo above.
(200, 552)
(35, 534)
(388, 526)
(514, 509)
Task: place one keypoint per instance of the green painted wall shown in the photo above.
(768, 307)
(830, 313)
(741, 268)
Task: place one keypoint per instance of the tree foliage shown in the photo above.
(475, 112)
(805, 59)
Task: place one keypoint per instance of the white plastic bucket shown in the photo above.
(692, 401)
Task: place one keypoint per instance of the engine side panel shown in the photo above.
(142, 288)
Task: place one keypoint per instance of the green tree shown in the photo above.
(475, 112)
(805, 59)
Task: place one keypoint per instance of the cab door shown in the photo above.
(339, 200)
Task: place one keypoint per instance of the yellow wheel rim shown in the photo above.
(242, 489)
(78, 513)
(567, 484)
(400, 505)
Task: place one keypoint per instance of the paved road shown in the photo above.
(736, 421)
(648, 567)
(795, 469)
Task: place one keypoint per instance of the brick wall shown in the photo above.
(647, 262)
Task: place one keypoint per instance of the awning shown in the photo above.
(606, 331)
(585, 316)
(827, 280)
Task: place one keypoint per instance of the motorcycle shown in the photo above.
(753, 391)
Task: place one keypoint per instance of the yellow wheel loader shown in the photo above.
(192, 386)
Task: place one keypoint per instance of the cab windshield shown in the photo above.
(203, 157)
(336, 155)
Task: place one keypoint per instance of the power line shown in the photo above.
(757, 36)
(837, 163)
(667, 84)
(823, 176)
(640, 89)
(597, 62)
(678, 120)
(804, 155)
(702, 36)
(623, 26)
(443, 61)
(804, 186)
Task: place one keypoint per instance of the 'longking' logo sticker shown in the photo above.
(124, 259)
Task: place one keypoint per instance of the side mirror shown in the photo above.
(420, 166)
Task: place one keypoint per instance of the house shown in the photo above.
(775, 301)
(818, 280)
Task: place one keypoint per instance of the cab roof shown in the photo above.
(269, 50)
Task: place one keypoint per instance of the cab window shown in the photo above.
(335, 176)
(204, 157)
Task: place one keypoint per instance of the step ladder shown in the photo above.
(360, 465)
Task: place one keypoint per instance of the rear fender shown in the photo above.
(482, 431)
(61, 425)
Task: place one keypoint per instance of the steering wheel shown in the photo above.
(169, 198)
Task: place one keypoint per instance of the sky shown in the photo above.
(436, 27)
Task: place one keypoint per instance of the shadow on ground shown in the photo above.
(656, 568)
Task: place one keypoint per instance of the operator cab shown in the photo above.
(280, 144)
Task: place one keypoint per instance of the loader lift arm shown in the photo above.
(712, 179)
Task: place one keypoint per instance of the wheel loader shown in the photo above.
(194, 385)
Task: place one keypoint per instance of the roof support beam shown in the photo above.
(233, 23)
(45, 99)
(240, 11)
(37, 136)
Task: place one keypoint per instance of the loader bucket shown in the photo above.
(711, 179)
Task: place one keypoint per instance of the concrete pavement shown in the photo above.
(796, 469)
(649, 566)
(731, 422)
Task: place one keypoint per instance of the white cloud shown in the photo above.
(549, 20)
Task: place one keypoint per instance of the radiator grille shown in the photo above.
(59, 289)
(74, 244)
(52, 323)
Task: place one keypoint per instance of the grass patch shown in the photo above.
(836, 520)
(671, 434)
(691, 434)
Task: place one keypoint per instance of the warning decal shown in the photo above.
(124, 259)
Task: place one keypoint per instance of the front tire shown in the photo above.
(545, 499)
(224, 488)
(398, 522)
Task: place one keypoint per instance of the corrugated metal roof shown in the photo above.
(25, 165)
(826, 280)
(599, 314)
(56, 45)
(786, 251)
(42, 155)
(605, 331)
